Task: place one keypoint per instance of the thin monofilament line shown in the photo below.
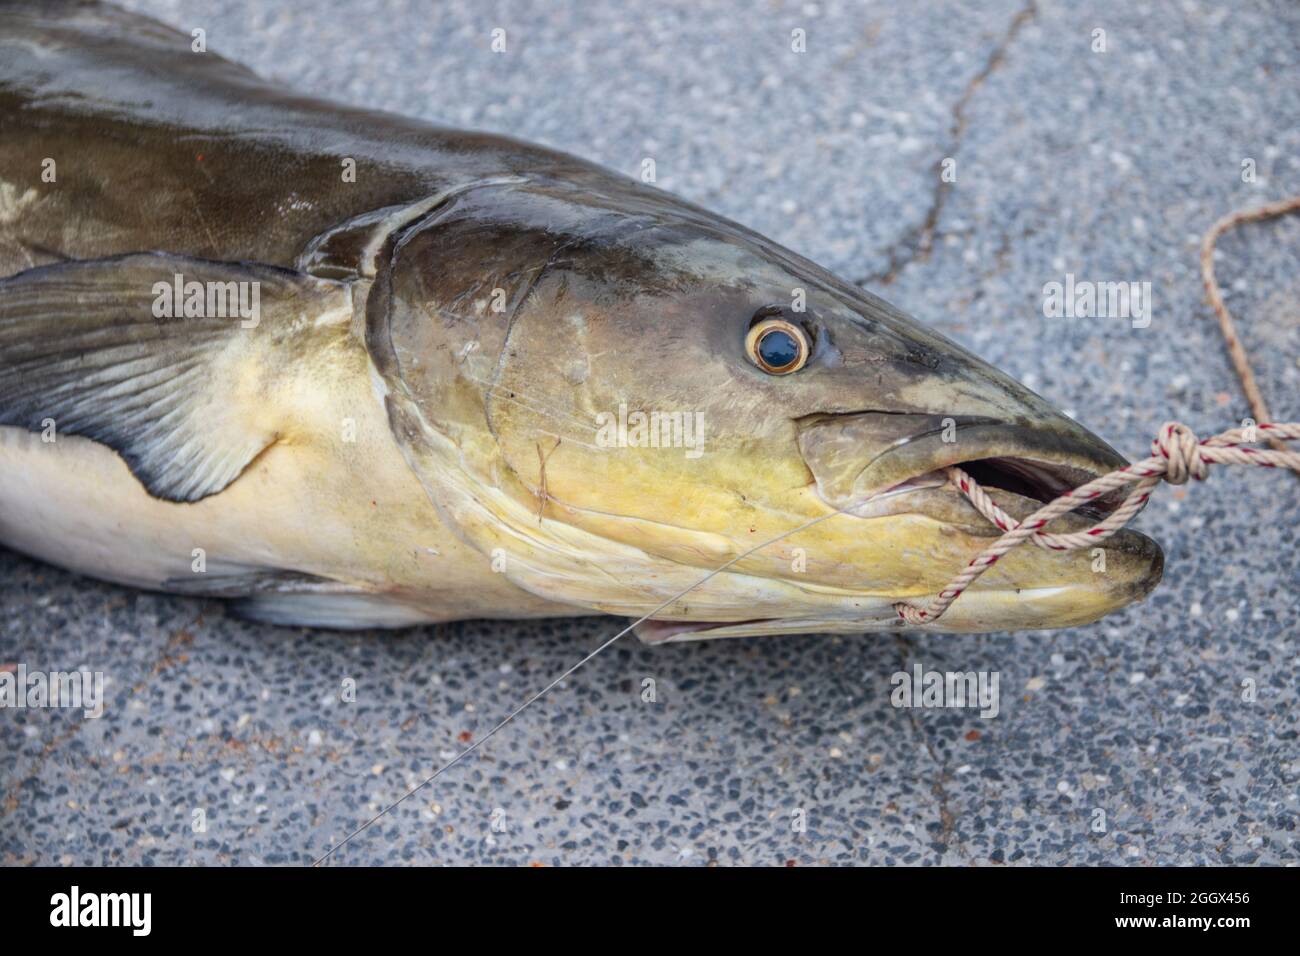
(553, 684)
(915, 614)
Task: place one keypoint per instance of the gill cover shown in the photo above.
(562, 341)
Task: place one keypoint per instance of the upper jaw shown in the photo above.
(857, 457)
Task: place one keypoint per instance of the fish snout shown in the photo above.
(877, 465)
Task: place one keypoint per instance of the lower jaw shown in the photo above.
(976, 612)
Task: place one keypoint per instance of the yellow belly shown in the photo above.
(350, 512)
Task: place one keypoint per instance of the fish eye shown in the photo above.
(777, 347)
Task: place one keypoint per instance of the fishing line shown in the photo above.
(1176, 456)
(545, 690)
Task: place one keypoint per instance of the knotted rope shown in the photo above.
(1176, 455)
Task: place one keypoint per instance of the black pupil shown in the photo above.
(778, 349)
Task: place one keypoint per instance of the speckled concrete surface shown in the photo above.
(1106, 165)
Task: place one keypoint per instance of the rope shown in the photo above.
(1176, 455)
(1236, 351)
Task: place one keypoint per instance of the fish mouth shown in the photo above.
(1019, 479)
(1020, 466)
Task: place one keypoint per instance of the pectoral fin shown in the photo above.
(98, 349)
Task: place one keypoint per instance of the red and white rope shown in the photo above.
(1176, 455)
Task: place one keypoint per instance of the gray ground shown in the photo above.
(1107, 165)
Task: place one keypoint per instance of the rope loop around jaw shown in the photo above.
(1176, 455)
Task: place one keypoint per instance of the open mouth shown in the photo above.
(1039, 481)
(1034, 481)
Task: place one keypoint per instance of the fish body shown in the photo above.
(351, 370)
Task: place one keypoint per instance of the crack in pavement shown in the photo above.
(939, 785)
(917, 243)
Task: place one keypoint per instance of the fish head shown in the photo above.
(614, 394)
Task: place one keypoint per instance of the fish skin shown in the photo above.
(614, 293)
(197, 155)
